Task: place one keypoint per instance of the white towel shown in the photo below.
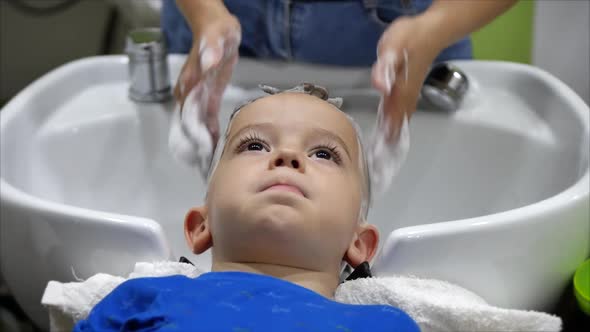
(440, 306)
(435, 305)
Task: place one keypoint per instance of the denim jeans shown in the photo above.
(331, 32)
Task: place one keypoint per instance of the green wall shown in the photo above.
(509, 37)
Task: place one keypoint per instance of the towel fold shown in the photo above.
(440, 306)
(435, 305)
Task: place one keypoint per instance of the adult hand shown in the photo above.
(405, 52)
(209, 65)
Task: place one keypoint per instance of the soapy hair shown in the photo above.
(322, 93)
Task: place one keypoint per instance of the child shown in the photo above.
(286, 205)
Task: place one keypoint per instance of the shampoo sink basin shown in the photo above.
(493, 197)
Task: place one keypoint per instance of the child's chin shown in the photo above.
(279, 203)
(278, 217)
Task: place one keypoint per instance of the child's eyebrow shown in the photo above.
(263, 126)
(315, 131)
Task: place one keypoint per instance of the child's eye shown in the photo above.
(327, 152)
(251, 143)
(256, 146)
(323, 154)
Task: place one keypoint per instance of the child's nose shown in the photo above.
(287, 158)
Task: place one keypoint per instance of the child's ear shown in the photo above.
(196, 230)
(363, 245)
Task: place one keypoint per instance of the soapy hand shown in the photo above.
(208, 69)
(404, 55)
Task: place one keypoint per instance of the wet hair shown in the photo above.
(321, 93)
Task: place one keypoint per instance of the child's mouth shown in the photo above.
(285, 187)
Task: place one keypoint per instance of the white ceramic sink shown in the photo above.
(493, 197)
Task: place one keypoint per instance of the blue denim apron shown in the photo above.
(343, 32)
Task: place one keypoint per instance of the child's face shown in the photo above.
(287, 189)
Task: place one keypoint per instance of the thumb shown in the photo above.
(217, 43)
(210, 51)
(189, 76)
(389, 68)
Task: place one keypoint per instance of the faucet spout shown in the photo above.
(148, 66)
(445, 86)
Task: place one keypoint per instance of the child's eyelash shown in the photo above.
(253, 137)
(333, 149)
(249, 138)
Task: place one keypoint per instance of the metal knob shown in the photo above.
(148, 68)
(445, 86)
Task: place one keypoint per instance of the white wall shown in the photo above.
(561, 42)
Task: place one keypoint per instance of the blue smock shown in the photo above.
(234, 302)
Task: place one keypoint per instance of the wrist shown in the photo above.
(433, 30)
(200, 13)
(424, 37)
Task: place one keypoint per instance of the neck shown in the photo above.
(321, 282)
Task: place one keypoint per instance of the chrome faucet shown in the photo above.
(445, 86)
(148, 68)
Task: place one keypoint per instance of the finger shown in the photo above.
(210, 52)
(377, 77)
(233, 38)
(191, 112)
(385, 71)
(212, 120)
(393, 113)
(214, 45)
(219, 45)
(190, 75)
(200, 60)
(220, 83)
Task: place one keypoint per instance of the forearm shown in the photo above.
(451, 20)
(196, 12)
